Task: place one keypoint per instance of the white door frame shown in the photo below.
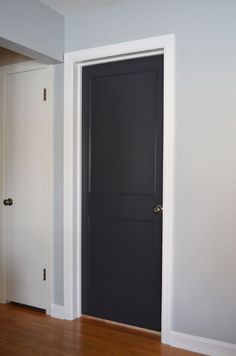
(74, 62)
(4, 71)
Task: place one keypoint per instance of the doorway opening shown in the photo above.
(74, 63)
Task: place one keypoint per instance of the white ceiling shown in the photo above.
(67, 7)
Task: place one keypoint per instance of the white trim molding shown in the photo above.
(74, 62)
(202, 345)
(57, 311)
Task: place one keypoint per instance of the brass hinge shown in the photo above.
(44, 274)
(44, 94)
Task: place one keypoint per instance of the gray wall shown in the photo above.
(205, 188)
(58, 184)
(33, 29)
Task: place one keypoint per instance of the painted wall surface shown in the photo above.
(205, 170)
(58, 184)
(33, 29)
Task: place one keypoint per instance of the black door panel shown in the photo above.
(122, 182)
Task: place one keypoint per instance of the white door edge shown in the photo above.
(74, 62)
(4, 71)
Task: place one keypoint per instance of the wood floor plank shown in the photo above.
(25, 331)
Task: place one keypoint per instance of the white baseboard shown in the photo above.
(57, 311)
(202, 345)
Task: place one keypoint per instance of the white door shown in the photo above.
(25, 182)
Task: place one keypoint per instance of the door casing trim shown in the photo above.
(74, 62)
(4, 71)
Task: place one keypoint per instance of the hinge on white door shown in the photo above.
(44, 274)
(44, 94)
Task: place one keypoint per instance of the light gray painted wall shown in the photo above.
(205, 171)
(33, 29)
(58, 184)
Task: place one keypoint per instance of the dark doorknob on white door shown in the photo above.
(8, 202)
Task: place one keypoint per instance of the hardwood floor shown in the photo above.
(26, 331)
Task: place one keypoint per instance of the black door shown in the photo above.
(122, 183)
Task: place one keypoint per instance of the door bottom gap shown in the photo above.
(121, 325)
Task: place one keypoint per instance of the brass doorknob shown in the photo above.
(158, 209)
(8, 202)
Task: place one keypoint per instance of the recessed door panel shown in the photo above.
(126, 139)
